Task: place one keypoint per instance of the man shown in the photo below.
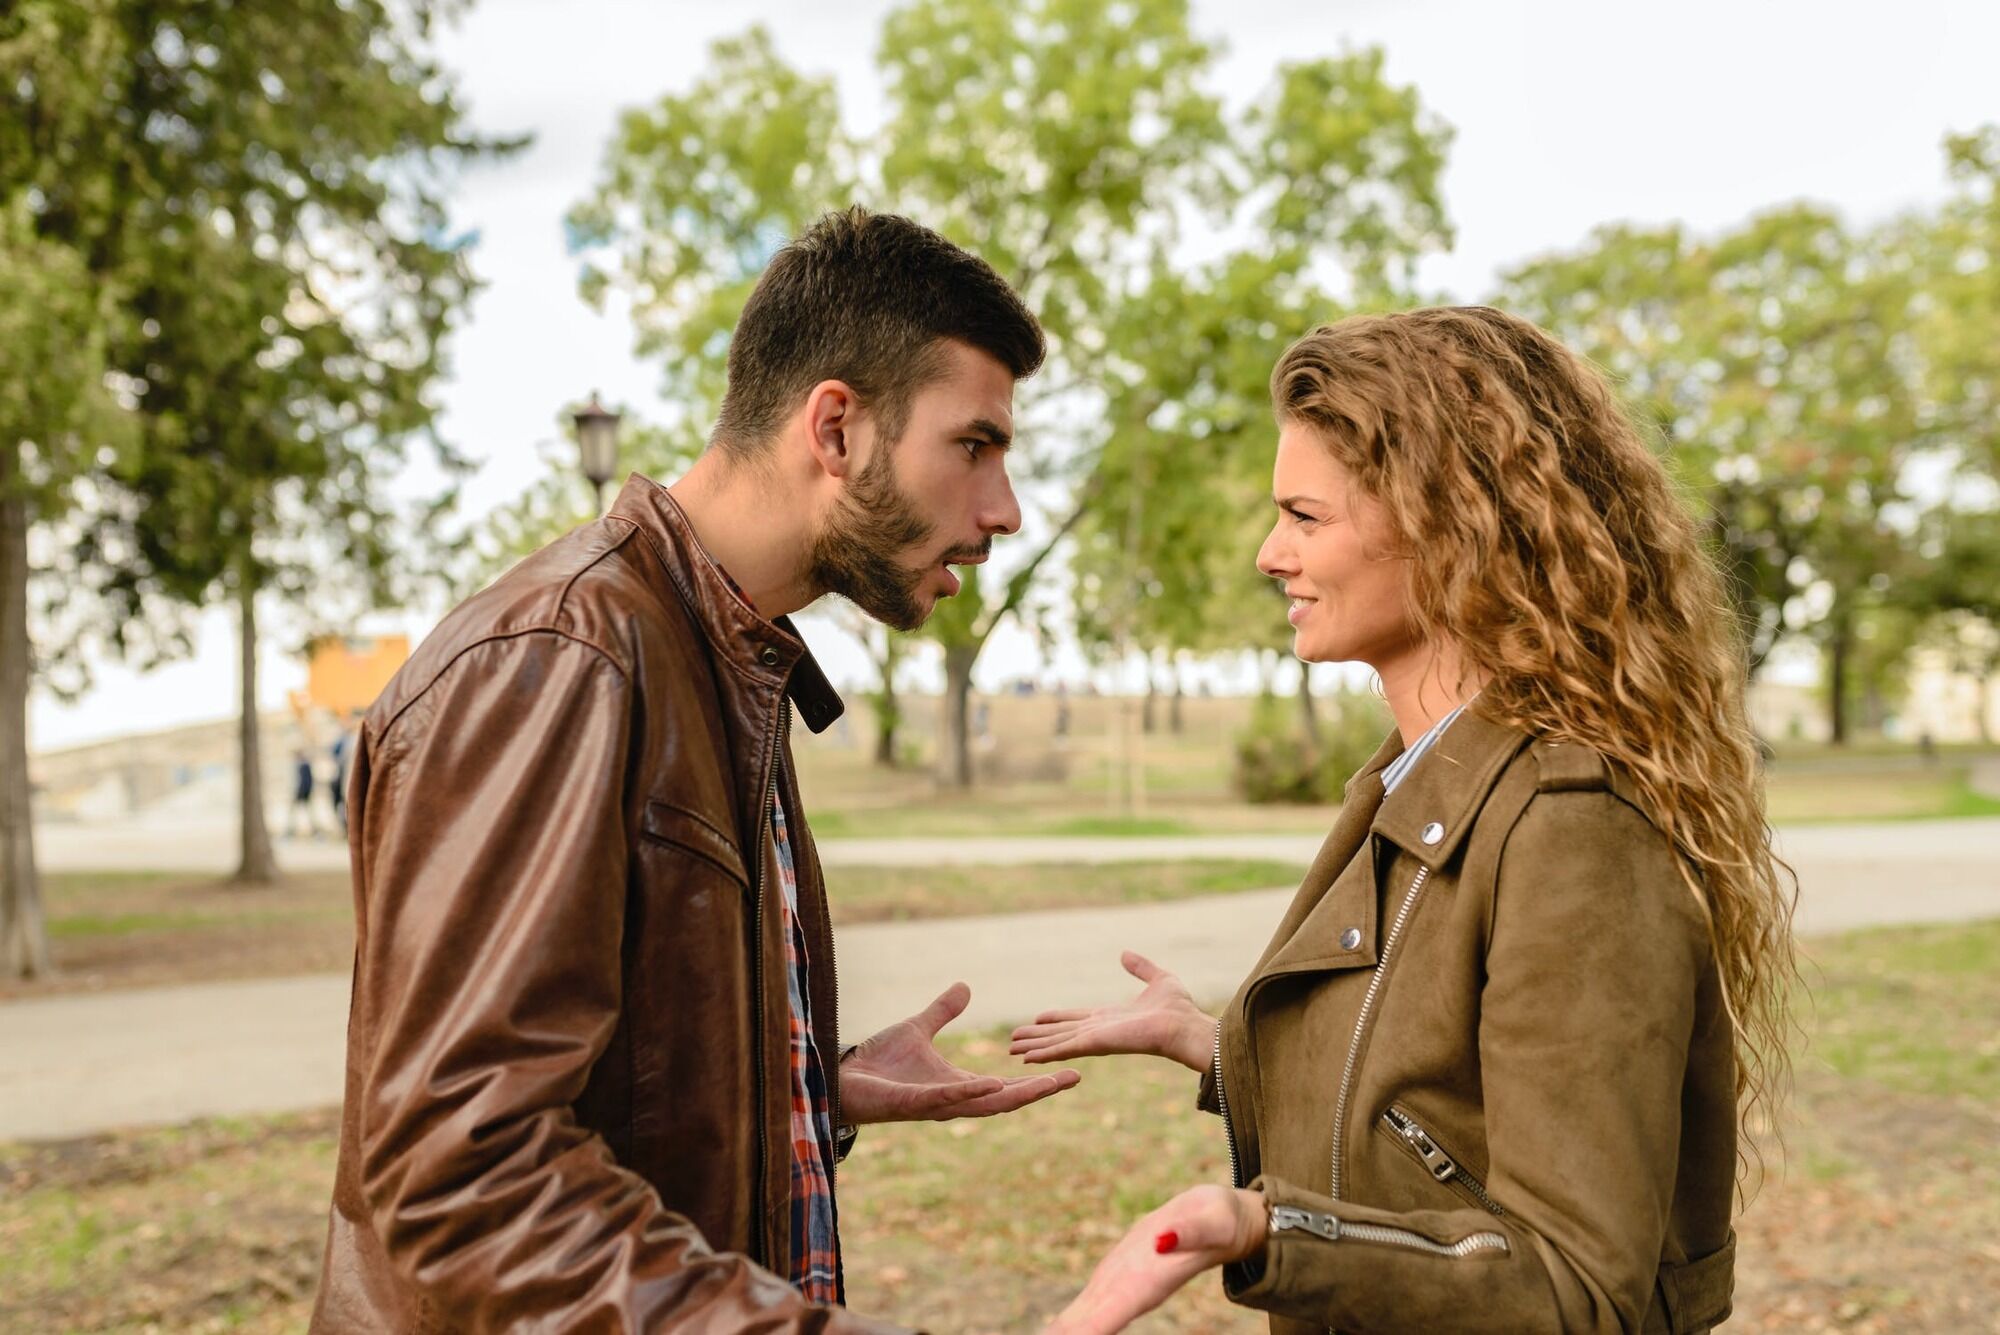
(593, 1078)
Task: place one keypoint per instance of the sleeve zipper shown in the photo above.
(1332, 1228)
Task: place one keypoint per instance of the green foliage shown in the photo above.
(1801, 375)
(1333, 173)
(261, 196)
(1277, 762)
(56, 416)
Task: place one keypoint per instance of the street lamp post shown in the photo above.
(597, 444)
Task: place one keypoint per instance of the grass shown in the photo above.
(874, 894)
(1910, 1009)
(1808, 796)
(1881, 1222)
(127, 929)
(118, 930)
(1032, 782)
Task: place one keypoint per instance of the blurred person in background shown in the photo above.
(1490, 1074)
(300, 823)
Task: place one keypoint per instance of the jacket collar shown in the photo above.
(1433, 807)
(766, 651)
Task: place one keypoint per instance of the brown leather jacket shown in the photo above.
(1483, 1071)
(567, 1101)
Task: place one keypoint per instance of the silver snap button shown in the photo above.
(1433, 833)
(770, 656)
(1350, 938)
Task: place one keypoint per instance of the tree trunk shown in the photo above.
(1980, 710)
(1176, 723)
(257, 864)
(888, 711)
(956, 766)
(1839, 650)
(1308, 710)
(24, 938)
(1147, 720)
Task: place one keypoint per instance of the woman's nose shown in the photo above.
(1272, 558)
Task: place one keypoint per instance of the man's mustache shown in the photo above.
(970, 553)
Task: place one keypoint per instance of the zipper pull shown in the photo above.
(1442, 1166)
(1285, 1218)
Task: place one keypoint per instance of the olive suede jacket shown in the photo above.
(1483, 1071)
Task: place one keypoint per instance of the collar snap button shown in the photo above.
(1350, 938)
(1433, 833)
(769, 655)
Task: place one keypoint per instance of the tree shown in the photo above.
(1958, 258)
(1072, 144)
(1955, 589)
(57, 421)
(1776, 363)
(264, 190)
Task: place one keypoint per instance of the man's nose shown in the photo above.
(1001, 513)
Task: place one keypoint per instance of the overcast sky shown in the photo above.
(1567, 114)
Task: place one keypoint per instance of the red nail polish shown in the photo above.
(1166, 1242)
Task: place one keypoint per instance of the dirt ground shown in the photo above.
(1887, 1220)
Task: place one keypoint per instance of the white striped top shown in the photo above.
(1400, 767)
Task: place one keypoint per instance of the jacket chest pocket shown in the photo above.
(695, 835)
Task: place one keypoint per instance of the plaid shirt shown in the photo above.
(816, 1271)
(815, 1220)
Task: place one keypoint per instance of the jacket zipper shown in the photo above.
(1361, 1020)
(1289, 1218)
(1442, 1166)
(757, 952)
(1222, 1106)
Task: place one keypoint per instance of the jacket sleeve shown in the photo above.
(1596, 955)
(494, 860)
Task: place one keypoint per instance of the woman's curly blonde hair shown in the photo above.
(1551, 549)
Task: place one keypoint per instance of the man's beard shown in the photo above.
(855, 555)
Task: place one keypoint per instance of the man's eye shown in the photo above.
(972, 448)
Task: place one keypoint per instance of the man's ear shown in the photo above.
(832, 416)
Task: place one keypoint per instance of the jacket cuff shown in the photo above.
(1208, 1098)
(1204, 1097)
(844, 1134)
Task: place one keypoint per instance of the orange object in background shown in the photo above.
(345, 673)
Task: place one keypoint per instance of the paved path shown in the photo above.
(207, 847)
(70, 1065)
(198, 848)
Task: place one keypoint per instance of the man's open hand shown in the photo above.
(899, 1075)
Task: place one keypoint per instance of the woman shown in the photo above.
(1489, 1072)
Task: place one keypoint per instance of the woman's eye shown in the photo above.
(1301, 516)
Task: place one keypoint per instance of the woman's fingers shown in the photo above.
(1058, 1017)
(1044, 1027)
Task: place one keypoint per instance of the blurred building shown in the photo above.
(192, 770)
(344, 674)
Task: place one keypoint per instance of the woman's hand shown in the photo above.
(1199, 1228)
(1161, 1021)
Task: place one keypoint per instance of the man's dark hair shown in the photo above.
(865, 298)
